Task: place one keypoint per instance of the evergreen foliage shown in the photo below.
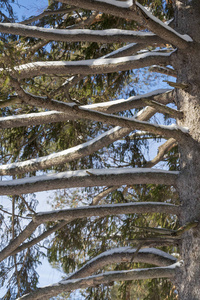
(81, 240)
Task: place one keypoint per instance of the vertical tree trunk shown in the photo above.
(187, 20)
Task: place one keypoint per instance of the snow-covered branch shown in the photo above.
(138, 13)
(124, 254)
(81, 35)
(76, 152)
(88, 178)
(162, 96)
(105, 278)
(64, 156)
(161, 29)
(71, 108)
(105, 210)
(91, 66)
(69, 215)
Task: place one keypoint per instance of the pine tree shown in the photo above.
(61, 72)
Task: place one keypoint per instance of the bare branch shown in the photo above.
(18, 240)
(103, 194)
(69, 215)
(164, 109)
(40, 237)
(91, 177)
(27, 205)
(86, 21)
(163, 70)
(46, 12)
(155, 241)
(162, 150)
(32, 49)
(12, 101)
(105, 278)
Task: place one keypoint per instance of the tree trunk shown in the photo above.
(187, 20)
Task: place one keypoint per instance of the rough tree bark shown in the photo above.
(187, 16)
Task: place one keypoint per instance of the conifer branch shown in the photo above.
(123, 254)
(105, 278)
(30, 228)
(162, 150)
(70, 179)
(89, 67)
(163, 70)
(171, 131)
(80, 35)
(138, 13)
(164, 109)
(74, 152)
(46, 12)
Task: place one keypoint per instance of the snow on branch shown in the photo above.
(162, 29)
(105, 210)
(61, 157)
(135, 11)
(174, 131)
(124, 254)
(64, 156)
(105, 278)
(162, 95)
(91, 66)
(88, 178)
(81, 35)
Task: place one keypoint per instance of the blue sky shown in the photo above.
(24, 9)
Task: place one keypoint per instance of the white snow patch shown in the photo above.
(174, 127)
(124, 4)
